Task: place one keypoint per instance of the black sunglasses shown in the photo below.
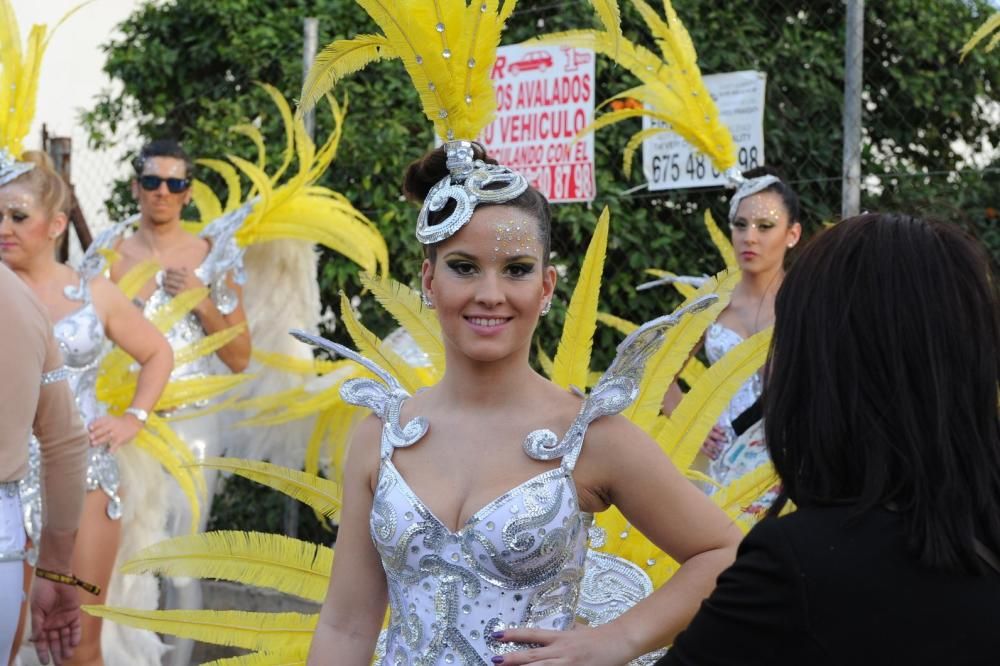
(175, 185)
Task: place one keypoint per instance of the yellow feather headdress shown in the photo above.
(448, 48)
(19, 73)
(672, 91)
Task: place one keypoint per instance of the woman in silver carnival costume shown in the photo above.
(764, 225)
(463, 510)
(90, 313)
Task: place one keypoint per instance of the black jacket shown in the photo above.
(829, 587)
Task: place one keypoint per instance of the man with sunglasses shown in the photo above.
(162, 186)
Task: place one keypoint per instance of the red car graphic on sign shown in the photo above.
(539, 60)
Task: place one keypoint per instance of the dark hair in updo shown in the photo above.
(788, 196)
(424, 173)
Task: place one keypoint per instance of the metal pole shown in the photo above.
(310, 39)
(853, 78)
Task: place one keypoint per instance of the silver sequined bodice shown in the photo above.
(83, 342)
(186, 331)
(517, 562)
(735, 460)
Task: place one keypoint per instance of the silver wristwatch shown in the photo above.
(140, 414)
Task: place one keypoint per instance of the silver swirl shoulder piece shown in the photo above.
(225, 256)
(618, 387)
(11, 168)
(385, 398)
(469, 183)
(93, 262)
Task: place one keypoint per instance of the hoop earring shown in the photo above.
(425, 299)
(546, 308)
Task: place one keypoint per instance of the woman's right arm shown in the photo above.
(355, 602)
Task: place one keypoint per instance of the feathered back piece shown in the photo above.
(19, 72)
(448, 48)
(672, 91)
(289, 205)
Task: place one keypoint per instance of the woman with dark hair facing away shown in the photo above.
(764, 223)
(881, 419)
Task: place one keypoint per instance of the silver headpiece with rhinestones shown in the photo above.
(11, 168)
(748, 187)
(469, 183)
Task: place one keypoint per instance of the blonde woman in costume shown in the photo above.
(88, 314)
(764, 225)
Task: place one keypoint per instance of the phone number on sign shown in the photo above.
(562, 182)
(673, 167)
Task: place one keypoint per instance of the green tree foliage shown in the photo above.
(187, 68)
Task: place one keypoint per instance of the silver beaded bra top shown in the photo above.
(82, 342)
(517, 562)
(719, 340)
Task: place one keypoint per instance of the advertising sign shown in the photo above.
(669, 162)
(545, 95)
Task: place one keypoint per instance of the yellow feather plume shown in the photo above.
(447, 47)
(673, 91)
(571, 365)
(338, 60)
(685, 290)
(322, 495)
(20, 70)
(137, 277)
(405, 306)
(721, 241)
(251, 631)
(294, 207)
(369, 346)
(294, 364)
(703, 404)
(271, 561)
(664, 366)
(623, 326)
(230, 176)
(693, 370)
(253, 133)
(170, 460)
(991, 24)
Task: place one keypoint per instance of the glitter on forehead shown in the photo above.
(18, 199)
(515, 237)
(760, 208)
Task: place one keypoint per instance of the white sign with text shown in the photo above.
(670, 163)
(545, 95)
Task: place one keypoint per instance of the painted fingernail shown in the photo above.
(497, 635)
(497, 659)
